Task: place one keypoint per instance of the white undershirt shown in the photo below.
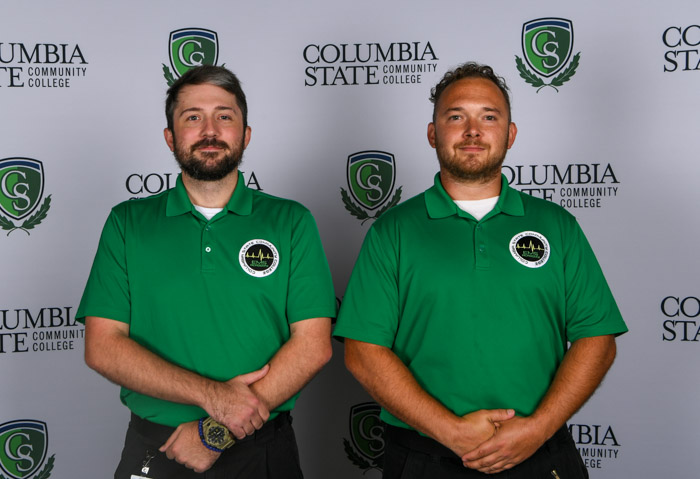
(208, 213)
(477, 208)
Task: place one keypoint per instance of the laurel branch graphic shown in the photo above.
(361, 214)
(28, 224)
(558, 80)
(360, 461)
(45, 472)
(168, 75)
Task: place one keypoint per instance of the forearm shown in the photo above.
(296, 362)
(581, 371)
(391, 384)
(114, 355)
(578, 375)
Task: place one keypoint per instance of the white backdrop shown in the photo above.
(82, 91)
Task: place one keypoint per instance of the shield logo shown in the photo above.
(21, 186)
(547, 44)
(191, 47)
(367, 431)
(23, 446)
(371, 176)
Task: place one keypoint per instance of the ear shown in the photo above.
(169, 139)
(431, 134)
(246, 137)
(512, 133)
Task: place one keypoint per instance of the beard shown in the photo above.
(197, 165)
(471, 169)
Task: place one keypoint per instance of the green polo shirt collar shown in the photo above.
(440, 205)
(241, 202)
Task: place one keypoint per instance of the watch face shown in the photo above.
(216, 435)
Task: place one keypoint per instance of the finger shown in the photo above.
(202, 466)
(501, 414)
(169, 442)
(489, 464)
(238, 432)
(495, 468)
(254, 376)
(257, 422)
(480, 452)
(501, 466)
(249, 429)
(263, 412)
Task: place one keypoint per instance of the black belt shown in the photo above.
(411, 439)
(160, 433)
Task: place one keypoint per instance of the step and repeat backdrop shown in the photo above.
(606, 103)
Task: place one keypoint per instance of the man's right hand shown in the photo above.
(472, 429)
(234, 405)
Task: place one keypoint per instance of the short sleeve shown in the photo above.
(590, 307)
(370, 308)
(311, 293)
(107, 294)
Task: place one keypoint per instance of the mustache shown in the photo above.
(209, 142)
(469, 143)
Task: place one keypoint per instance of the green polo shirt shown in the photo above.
(479, 311)
(214, 297)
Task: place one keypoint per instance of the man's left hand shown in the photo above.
(185, 446)
(514, 441)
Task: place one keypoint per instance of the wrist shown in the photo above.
(541, 426)
(214, 436)
(445, 429)
(208, 391)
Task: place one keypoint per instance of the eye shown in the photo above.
(491, 117)
(226, 117)
(192, 118)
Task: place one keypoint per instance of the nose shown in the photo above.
(471, 129)
(209, 128)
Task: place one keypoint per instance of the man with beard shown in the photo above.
(209, 303)
(462, 301)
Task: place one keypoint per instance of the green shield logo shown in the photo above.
(366, 431)
(371, 176)
(547, 44)
(21, 186)
(191, 47)
(23, 446)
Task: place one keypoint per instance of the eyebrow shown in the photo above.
(460, 109)
(198, 109)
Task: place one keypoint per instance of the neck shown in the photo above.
(460, 189)
(211, 194)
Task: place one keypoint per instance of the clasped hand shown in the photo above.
(231, 404)
(513, 441)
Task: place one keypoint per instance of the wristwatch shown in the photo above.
(214, 436)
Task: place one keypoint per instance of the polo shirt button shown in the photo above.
(482, 248)
(207, 249)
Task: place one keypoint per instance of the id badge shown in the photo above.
(145, 467)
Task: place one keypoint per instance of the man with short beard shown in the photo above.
(209, 303)
(460, 306)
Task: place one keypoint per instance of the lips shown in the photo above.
(470, 146)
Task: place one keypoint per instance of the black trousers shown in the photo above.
(270, 453)
(408, 455)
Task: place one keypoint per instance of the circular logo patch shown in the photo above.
(530, 249)
(258, 258)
